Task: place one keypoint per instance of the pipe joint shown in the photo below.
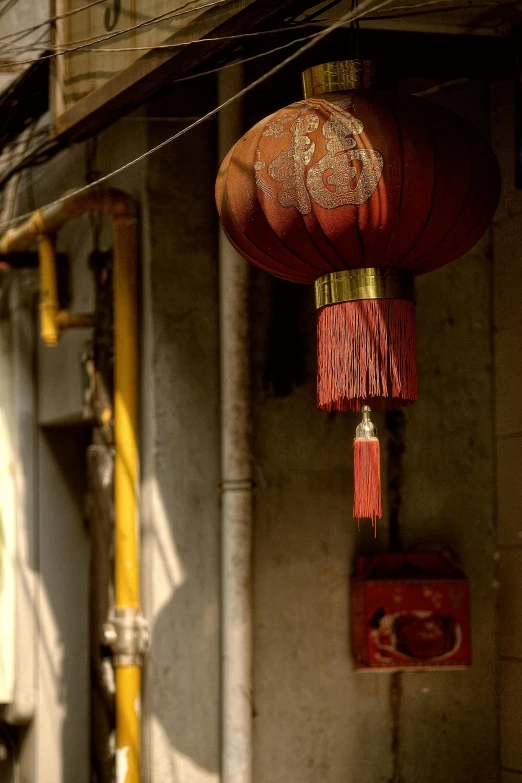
(127, 634)
(236, 485)
(67, 320)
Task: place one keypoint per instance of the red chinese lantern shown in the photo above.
(357, 191)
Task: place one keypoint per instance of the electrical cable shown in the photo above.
(92, 41)
(165, 17)
(10, 4)
(52, 19)
(364, 8)
(286, 29)
(48, 148)
(179, 12)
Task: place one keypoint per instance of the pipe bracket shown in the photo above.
(127, 633)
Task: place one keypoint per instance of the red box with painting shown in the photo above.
(410, 611)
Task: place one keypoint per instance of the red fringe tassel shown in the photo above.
(367, 480)
(366, 353)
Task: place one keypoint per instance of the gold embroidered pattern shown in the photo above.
(349, 184)
(259, 165)
(276, 129)
(344, 175)
(343, 103)
(289, 166)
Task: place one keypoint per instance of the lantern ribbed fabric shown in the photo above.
(367, 181)
(351, 180)
(436, 192)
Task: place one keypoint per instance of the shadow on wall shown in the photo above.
(183, 662)
(186, 710)
(183, 548)
(63, 558)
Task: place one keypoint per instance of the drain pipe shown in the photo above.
(126, 632)
(236, 486)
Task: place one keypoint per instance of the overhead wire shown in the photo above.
(430, 11)
(84, 43)
(184, 10)
(47, 148)
(364, 8)
(19, 34)
(7, 7)
(92, 41)
(287, 28)
(276, 49)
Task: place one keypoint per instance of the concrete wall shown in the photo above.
(507, 235)
(315, 718)
(449, 722)
(7, 517)
(181, 451)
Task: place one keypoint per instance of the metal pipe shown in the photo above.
(48, 290)
(52, 320)
(126, 579)
(236, 519)
(67, 320)
(127, 631)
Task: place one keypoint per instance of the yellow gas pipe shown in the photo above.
(126, 630)
(52, 320)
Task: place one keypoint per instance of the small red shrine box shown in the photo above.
(410, 611)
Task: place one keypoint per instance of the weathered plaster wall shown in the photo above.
(182, 448)
(315, 719)
(449, 721)
(507, 236)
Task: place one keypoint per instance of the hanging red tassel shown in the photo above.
(367, 502)
(366, 350)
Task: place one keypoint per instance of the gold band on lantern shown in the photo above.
(337, 76)
(367, 283)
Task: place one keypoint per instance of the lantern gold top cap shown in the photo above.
(338, 76)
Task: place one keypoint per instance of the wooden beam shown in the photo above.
(159, 67)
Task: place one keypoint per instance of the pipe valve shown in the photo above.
(127, 633)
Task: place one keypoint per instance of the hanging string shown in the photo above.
(353, 34)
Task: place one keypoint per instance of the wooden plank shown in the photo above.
(136, 83)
